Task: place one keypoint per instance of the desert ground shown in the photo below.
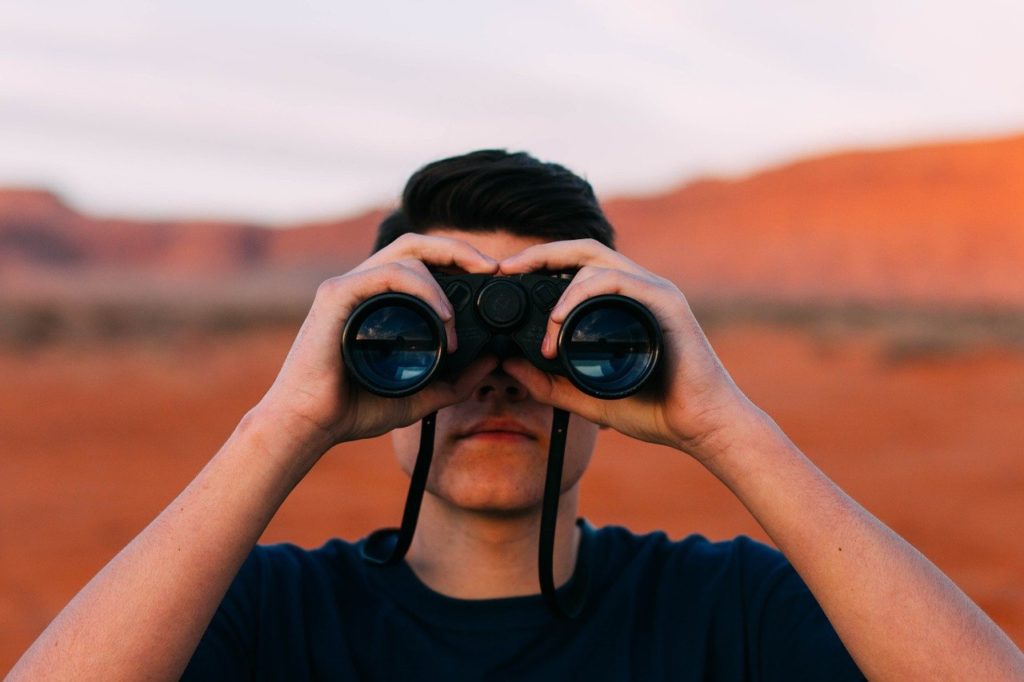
(96, 438)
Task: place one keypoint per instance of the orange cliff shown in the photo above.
(940, 223)
(933, 224)
(38, 231)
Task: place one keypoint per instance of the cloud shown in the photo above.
(268, 111)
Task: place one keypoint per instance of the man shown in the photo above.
(465, 603)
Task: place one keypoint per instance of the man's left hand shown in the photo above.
(696, 406)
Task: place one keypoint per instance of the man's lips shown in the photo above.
(494, 427)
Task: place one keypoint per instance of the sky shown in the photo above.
(279, 112)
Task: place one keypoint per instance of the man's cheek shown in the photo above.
(406, 442)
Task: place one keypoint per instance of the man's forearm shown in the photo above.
(144, 613)
(897, 614)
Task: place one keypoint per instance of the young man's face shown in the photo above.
(490, 452)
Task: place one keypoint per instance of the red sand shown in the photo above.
(96, 442)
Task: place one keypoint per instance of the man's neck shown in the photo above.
(471, 555)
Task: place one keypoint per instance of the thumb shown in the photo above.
(552, 390)
(443, 393)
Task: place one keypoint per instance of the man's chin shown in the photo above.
(503, 501)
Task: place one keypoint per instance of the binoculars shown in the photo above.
(394, 344)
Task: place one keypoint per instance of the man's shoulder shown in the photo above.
(729, 600)
(692, 552)
(335, 562)
(333, 554)
(332, 550)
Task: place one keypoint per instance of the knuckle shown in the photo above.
(329, 287)
(384, 275)
(598, 276)
(412, 264)
(393, 269)
(407, 239)
(409, 244)
(404, 263)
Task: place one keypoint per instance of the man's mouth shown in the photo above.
(498, 428)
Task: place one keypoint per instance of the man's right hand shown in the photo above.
(143, 615)
(314, 399)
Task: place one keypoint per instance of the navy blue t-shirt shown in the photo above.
(656, 609)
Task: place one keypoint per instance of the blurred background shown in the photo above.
(839, 189)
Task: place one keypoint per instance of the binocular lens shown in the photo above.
(394, 348)
(610, 346)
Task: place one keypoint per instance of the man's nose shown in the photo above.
(500, 386)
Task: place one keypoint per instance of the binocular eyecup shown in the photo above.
(394, 344)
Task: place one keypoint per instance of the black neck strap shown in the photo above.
(569, 604)
(381, 547)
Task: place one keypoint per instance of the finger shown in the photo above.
(553, 390)
(342, 294)
(442, 393)
(435, 251)
(596, 282)
(547, 347)
(419, 268)
(566, 255)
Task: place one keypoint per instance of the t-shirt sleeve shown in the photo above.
(793, 637)
(227, 648)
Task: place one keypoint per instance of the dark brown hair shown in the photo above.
(493, 189)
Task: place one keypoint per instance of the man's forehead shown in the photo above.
(497, 244)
